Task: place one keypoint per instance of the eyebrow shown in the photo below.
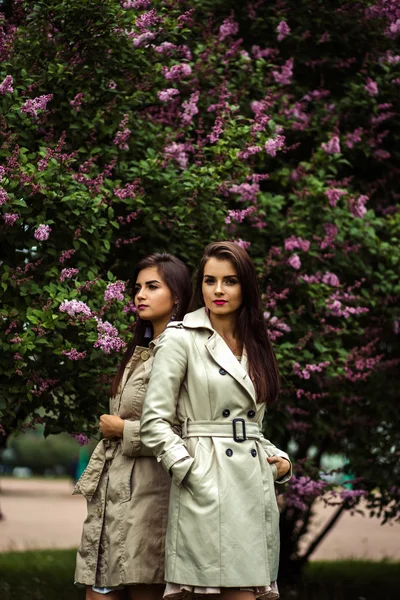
(148, 282)
(225, 276)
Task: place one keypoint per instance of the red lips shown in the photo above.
(220, 302)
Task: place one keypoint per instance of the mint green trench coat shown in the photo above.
(223, 522)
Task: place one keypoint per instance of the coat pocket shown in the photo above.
(273, 467)
(201, 462)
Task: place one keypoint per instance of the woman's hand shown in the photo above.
(281, 463)
(111, 426)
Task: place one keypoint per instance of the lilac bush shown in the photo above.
(131, 127)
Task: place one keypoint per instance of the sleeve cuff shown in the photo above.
(131, 444)
(180, 469)
(284, 478)
(178, 461)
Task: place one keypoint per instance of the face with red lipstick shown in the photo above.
(221, 287)
(153, 298)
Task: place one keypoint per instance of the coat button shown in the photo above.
(222, 372)
(228, 452)
(251, 414)
(254, 452)
(226, 412)
(145, 355)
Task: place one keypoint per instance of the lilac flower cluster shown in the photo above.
(66, 255)
(114, 291)
(6, 87)
(190, 108)
(371, 87)
(247, 191)
(284, 76)
(357, 206)
(68, 274)
(10, 218)
(229, 27)
(242, 243)
(81, 438)
(302, 491)
(294, 261)
(3, 196)
(178, 152)
(331, 279)
(354, 137)
(137, 4)
(42, 233)
(147, 20)
(77, 101)
(305, 373)
(333, 146)
(216, 131)
(34, 104)
(167, 94)
(337, 309)
(130, 190)
(274, 144)
(123, 134)
(283, 30)
(76, 307)
(108, 339)
(177, 72)
(334, 194)
(142, 39)
(168, 49)
(294, 242)
(238, 216)
(73, 354)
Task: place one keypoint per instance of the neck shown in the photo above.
(159, 326)
(225, 325)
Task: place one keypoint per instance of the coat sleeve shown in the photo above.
(159, 409)
(272, 450)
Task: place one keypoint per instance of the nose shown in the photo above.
(218, 288)
(141, 295)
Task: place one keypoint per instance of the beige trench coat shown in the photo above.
(127, 491)
(223, 528)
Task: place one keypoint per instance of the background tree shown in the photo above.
(140, 126)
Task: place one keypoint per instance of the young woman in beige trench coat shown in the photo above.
(214, 372)
(126, 489)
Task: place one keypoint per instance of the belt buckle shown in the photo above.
(241, 437)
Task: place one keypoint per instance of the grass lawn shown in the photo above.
(48, 575)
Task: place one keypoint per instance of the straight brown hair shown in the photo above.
(176, 276)
(251, 328)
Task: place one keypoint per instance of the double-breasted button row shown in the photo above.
(226, 412)
(251, 414)
(222, 371)
(145, 355)
(228, 452)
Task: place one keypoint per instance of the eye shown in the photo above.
(209, 281)
(153, 287)
(232, 281)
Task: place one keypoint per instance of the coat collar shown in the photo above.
(220, 351)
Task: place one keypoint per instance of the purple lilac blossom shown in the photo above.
(10, 218)
(274, 144)
(167, 94)
(34, 104)
(333, 146)
(357, 206)
(284, 76)
(239, 215)
(77, 101)
(177, 72)
(331, 279)
(295, 262)
(81, 438)
(73, 354)
(114, 291)
(76, 307)
(228, 27)
(283, 30)
(3, 196)
(42, 233)
(371, 87)
(334, 194)
(6, 87)
(178, 152)
(190, 108)
(242, 243)
(68, 274)
(294, 242)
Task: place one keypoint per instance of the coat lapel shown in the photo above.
(222, 355)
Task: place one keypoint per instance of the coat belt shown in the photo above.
(238, 429)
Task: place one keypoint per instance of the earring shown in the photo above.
(174, 314)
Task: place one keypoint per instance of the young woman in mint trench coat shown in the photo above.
(127, 490)
(214, 373)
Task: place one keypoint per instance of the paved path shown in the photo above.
(43, 514)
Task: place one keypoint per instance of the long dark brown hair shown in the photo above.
(251, 327)
(176, 276)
